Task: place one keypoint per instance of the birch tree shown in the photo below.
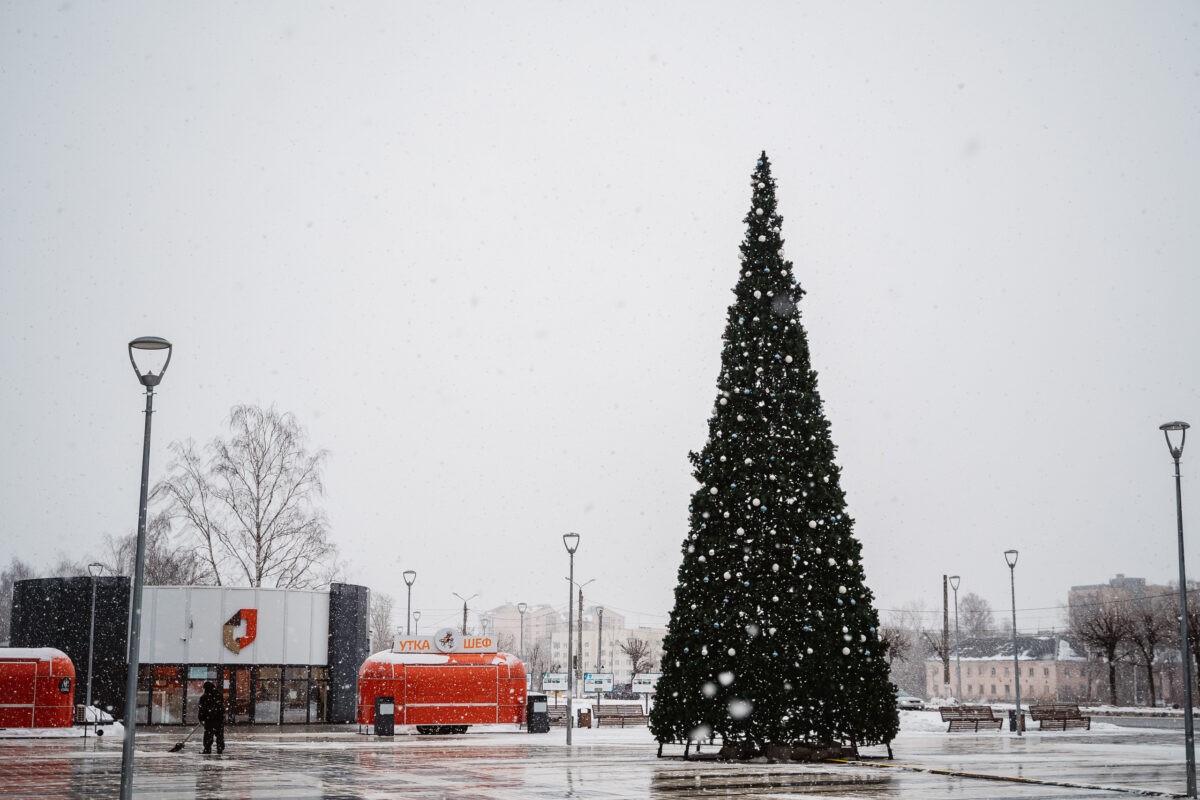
(248, 503)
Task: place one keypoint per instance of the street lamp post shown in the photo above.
(465, 599)
(954, 581)
(409, 577)
(571, 542)
(417, 623)
(1184, 646)
(1010, 556)
(94, 570)
(599, 639)
(149, 380)
(521, 609)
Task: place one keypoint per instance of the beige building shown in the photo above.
(1051, 671)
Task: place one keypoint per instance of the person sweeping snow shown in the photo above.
(212, 716)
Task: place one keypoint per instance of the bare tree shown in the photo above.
(535, 660)
(975, 616)
(907, 648)
(249, 504)
(381, 621)
(506, 643)
(17, 570)
(638, 651)
(1104, 627)
(164, 563)
(1150, 624)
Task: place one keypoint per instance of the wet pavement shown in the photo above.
(292, 763)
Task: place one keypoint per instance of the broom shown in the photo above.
(179, 745)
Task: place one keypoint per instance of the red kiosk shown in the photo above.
(441, 684)
(37, 688)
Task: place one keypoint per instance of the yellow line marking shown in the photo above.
(1010, 778)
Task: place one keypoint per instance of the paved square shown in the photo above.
(296, 764)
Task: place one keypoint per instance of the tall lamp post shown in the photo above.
(94, 569)
(465, 599)
(409, 577)
(571, 542)
(521, 609)
(1184, 646)
(599, 638)
(954, 581)
(417, 622)
(149, 380)
(1011, 557)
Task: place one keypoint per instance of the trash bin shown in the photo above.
(385, 716)
(1012, 720)
(585, 718)
(537, 714)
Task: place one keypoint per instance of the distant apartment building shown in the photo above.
(597, 638)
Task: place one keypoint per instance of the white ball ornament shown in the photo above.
(787, 359)
(845, 651)
(758, 211)
(811, 523)
(757, 294)
(762, 186)
(841, 590)
(762, 238)
(713, 490)
(756, 502)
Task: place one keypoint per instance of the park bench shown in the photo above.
(970, 718)
(1059, 716)
(558, 715)
(620, 714)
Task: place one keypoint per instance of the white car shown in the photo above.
(906, 702)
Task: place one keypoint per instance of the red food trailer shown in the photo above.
(37, 688)
(442, 684)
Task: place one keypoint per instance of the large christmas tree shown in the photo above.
(774, 638)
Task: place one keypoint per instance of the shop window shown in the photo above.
(296, 701)
(267, 688)
(196, 676)
(160, 695)
(318, 695)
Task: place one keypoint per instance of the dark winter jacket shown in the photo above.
(211, 711)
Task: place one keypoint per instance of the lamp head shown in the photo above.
(1171, 427)
(571, 542)
(143, 343)
(1011, 557)
(954, 580)
(416, 615)
(95, 568)
(409, 576)
(522, 608)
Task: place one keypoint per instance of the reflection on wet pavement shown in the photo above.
(291, 765)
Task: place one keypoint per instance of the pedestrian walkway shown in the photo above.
(293, 763)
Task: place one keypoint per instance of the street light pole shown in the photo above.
(1189, 736)
(954, 581)
(599, 639)
(571, 542)
(1010, 556)
(149, 380)
(521, 609)
(409, 577)
(417, 623)
(465, 599)
(94, 570)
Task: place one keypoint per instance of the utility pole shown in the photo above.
(945, 637)
(579, 671)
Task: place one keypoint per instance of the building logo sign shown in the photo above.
(234, 643)
(446, 640)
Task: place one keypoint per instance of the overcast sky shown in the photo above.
(484, 252)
